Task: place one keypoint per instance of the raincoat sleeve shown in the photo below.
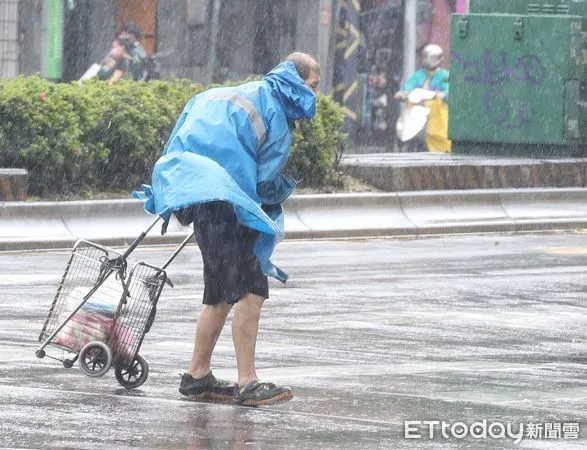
(273, 185)
(179, 123)
(445, 90)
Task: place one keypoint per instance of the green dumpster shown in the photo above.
(517, 82)
(564, 7)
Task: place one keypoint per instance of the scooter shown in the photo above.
(413, 117)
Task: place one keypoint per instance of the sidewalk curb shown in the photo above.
(53, 225)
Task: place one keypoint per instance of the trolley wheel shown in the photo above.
(40, 353)
(68, 363)
(133, 375)
(95, 359)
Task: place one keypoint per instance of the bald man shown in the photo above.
(222, 171)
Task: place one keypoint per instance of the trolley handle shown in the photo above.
(163, 275)
(138, 240)
(173, 256)
(178, 250)
(121, 260)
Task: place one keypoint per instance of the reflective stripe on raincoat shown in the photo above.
(231, 144)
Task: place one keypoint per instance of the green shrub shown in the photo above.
(41, 132)
(133, 122)
(77, 137)
(318, 145)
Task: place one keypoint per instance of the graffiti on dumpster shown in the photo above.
(497, 69)
(502, 111)
(493, 68)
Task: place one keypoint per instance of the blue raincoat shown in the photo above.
(231, 144)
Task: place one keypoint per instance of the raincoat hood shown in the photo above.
(297, 99)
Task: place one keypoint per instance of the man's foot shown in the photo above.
(207, 388)
(257, 394)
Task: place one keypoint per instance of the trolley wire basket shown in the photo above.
(101, 314)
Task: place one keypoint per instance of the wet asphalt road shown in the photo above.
(370, 334)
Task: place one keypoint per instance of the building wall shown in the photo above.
(462, 6)
(325, 51)
(103, 28)
(308, 16)
(252, 35)
(439, 33)
(77, 39)
(8, 38)
(30, 28)
(186, 46)
(434, 22)
(236, 39)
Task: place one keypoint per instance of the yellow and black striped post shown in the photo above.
(349, 41)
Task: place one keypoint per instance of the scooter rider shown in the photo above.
(431, 76)
(434, 80)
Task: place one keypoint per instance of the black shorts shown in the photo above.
(231, 269)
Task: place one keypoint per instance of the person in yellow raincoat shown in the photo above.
(433, 78)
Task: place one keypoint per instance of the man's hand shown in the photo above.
(440, 96)
(276, 191)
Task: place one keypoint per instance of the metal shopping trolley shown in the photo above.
(101, 314)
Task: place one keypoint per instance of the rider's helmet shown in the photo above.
(432, 56)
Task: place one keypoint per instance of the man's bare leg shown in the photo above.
(209, 326)
(245, 324)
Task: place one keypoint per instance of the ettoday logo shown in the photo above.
(484, 429)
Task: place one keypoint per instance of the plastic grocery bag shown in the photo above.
(93, 321)
(104, 301)
(82, 328)
(124, 342)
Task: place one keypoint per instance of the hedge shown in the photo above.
(78, 137)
